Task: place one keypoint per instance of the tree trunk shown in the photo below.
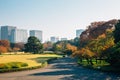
(100, 60)
(96, 60)
(91, 61)
(87, 60)
(81, 60)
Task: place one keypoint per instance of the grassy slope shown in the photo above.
(103, 66)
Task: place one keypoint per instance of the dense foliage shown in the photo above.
(97, 43)
(114, 52)
(67, 46)
(117, 32)
(33, 45)
(4, 46)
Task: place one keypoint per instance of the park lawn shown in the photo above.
(103, 66)
(31, 59)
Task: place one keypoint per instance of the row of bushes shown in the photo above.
(23, 68)
(12, 65)
(15, 68)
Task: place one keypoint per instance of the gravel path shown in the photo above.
(61, 69)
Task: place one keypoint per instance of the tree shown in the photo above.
(5, 44)
(70, 49)
(84, 53)
(3, 49)
(33, 45)
(117, 32)
(114, 52)
(19, 45)
(47, 46)
(114, 55)
(15, 49)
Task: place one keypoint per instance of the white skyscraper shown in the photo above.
(19, 35)
(36, 33)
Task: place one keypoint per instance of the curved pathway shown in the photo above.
(61, 69)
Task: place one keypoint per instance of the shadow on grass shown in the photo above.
(71, 71)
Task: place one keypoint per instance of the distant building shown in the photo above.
(54, 39)
(6, 33)
(36, 33)
(63, 39)
(19, 35)
(78, 32)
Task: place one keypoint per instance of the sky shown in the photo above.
(60, 18)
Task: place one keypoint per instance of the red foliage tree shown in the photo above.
(3, 49)
(5, 43)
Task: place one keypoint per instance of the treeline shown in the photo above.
(33, 45)
(64, 47)
(100, 41)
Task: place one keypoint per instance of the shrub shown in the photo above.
(5, 66)
(24, 64)
(13, 65)
(44, 64)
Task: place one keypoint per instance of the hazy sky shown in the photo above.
(57, 17)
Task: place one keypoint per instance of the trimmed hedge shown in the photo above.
(13, 65)
(44, 64)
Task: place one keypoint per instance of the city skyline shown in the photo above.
(57, 17)
(15, 35)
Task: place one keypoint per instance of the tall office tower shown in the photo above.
(19, 35)
(54, 39)
(36, 33)
(6, 33)
(63, 39)
(78, 32)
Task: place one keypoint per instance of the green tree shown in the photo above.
(117, 32)
(33, 45)
(114, 55)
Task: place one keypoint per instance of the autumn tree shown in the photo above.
(5, 45)
(19, 45)
(15, 49)
(3, 49)
(114, 52)
(47, 46)
(70, 49)
(84, 53)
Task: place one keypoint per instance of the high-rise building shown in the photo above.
(19, 35)
(36, 33)
(63, 39)
(54, 39)
(6, 33)
(78, 32)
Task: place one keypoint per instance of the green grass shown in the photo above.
(103, 66)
